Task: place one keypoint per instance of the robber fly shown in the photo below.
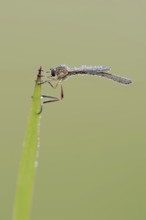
(63, 72)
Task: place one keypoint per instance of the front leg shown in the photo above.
(53, 86)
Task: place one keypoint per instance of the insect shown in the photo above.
(63, 72)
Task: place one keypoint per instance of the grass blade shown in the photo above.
(27, 164)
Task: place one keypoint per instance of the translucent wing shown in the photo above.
(114, 77)
(90, 69)
(101, 71)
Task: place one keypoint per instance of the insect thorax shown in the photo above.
(62, 71)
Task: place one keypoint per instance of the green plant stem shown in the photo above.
(27, 164)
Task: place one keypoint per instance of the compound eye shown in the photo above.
(53, 72)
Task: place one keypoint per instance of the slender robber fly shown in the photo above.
(63, 72)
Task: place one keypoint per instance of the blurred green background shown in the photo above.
(93, 147)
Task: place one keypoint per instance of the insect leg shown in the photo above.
(51, 84)
(53, 99)
(62, 93)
